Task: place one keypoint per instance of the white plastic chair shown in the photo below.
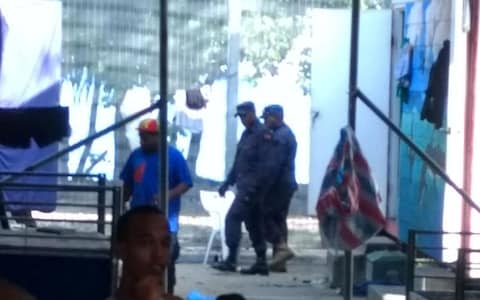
(217, 207)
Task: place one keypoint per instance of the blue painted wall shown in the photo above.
(421, 193)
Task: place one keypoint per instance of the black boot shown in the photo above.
(259, 267)
(228, 265)
(225, 266)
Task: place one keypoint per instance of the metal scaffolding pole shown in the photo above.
(352, 109)
(162, 115)
(233, 59)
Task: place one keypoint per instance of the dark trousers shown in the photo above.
(246, 210)
(277, 204)
(174, 254)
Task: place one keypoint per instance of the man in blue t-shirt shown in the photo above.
(140, 182)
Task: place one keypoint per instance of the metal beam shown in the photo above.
(411, 144)
(162, 116)
(233, 60)
(352, 110)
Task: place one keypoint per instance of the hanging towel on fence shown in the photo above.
(347, 206)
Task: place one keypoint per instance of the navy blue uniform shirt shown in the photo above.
(253, 165)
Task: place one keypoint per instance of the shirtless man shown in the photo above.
(143, 245)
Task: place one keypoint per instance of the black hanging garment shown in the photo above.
(45, 125)
(437, 92)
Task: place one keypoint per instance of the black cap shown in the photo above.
(273, 110)
(244, 108)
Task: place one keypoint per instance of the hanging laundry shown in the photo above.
(437, 28)
(437, 92)
(195, 99)
(185, 117)
(348, 205)
(403, 72)
(403, 65)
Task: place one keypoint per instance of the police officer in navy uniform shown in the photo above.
(251, 175)
(278, 197)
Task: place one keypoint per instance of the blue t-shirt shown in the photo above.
(141, 174)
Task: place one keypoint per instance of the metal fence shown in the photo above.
(53, 241)
(455, 278)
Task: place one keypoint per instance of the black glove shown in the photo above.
(223, 189)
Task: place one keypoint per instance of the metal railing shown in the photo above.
(464, 282)
(99, 178)
(354, 94)
(161, 105)
(29, 170)
(101, 189)
(411, 144)
(54, 240)
(162, 117)
(411, 245)
(457, 272)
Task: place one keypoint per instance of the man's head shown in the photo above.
(273, 116)
(143, 242)
(148, 132)
(246, 113)
(9, 291)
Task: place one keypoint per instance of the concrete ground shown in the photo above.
(307, 277)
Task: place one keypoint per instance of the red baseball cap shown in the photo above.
(148, 126)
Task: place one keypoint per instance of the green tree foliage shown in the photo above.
(267, 40)
(275, 31)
